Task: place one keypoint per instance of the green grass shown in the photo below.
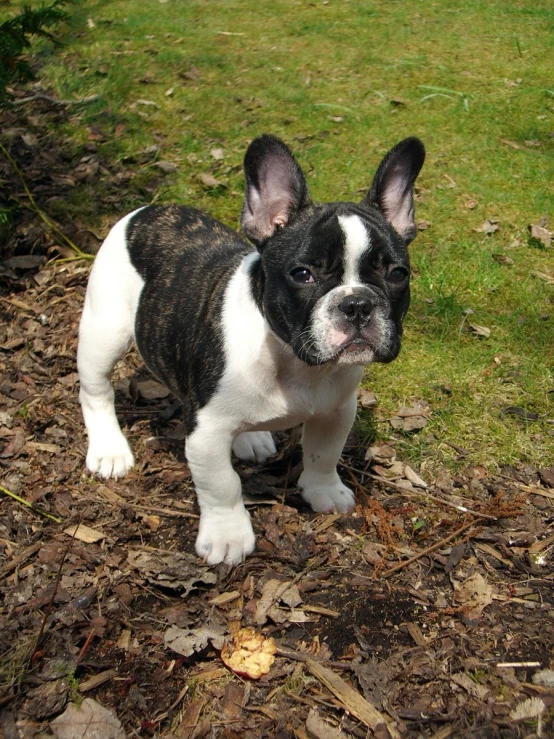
(342, 82)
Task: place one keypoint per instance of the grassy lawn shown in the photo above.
(342, 81)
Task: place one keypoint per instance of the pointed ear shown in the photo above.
(275, 188)
(392, 190)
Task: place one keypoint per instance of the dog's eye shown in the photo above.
(302, 275)
(398, 275)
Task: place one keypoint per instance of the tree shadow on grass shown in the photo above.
(79, 187)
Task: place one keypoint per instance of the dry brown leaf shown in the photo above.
(175, 570)
(411, 417)
(208, 180)
(503, 259)
(166, 167)
(191, 641)
(541, 234)
(483, 331)
(367, 399)
(488, 227)
(250, 655)
(273, 592)
(414, 478)
(84, 533)
(90, 720)
(381, 454)
(474, 594)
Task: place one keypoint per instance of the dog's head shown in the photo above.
(333, 279)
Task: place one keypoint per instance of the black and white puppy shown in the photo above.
(252, 340)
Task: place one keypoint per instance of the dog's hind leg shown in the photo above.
(105, 333)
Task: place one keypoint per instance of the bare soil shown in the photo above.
(414, 602)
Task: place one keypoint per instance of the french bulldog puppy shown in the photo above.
(252, 340)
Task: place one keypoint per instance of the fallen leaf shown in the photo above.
(90, 720)
(472, 687)
(414, 478)
(367, 399)
(217, 154)
(251, 654)
(474, 328)
(547, 476)
(175, 570)
(503, 259)
(275, 591)
(474, 594)
(166, 167)
(541, 235)
(317, 728)
(423, 225)
(84, 533)
(412, 417)
(381, 454)
(208, 180)
(192, 74)
(471, 204)
(148, 103)
(192, 641)
(488, 227)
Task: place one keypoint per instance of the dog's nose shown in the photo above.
(356, 308)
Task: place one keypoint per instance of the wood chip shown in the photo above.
(96, 680)
(321, 610)
(224, 598)
(416, 634)
(84, 533)
(493, 553)
(351, 700)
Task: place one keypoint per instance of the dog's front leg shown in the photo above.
(225, 533)
(323, 440)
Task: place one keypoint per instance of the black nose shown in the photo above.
(356, 308)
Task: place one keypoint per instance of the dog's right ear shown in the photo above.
(275, 188)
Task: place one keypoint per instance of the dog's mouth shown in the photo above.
(355, 346)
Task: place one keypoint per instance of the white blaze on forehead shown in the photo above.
(356, 243)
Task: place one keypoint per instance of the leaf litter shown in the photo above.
(393, 620)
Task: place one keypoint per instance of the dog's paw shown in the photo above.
(254, 446)
(326, 494)
(110, 457)
(225, 535)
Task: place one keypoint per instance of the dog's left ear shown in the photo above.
(275, 188)
(392, 190)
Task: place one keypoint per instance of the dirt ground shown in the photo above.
(427, 613)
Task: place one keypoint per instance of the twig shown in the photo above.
(430, 549)
(33, 507)
(55, 101)
(74, 248)
(421, 493)
(353, 702)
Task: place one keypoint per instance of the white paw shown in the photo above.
(254, 446)
(225, 535)
(326, 494)
(110, 456)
